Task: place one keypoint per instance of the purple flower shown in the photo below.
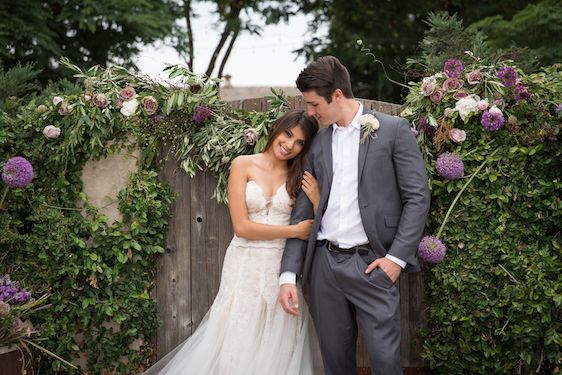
(520, 92)
(17, 172)
(11, 292)
(449, 166)
(453, 68)
(558, 109)
(431, 249)
(492, 119)
(201, 113)
(425, 126)
(508, 75)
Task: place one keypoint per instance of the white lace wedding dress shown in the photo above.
(246, 331)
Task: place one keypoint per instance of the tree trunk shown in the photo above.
(228, 51)
(190, 53)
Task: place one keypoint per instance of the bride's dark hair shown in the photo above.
(309, 126)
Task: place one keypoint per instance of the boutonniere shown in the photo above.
(369, 125)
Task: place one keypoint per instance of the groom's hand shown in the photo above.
(389, 267)
(289, 299)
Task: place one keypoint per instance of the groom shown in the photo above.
(374, 200)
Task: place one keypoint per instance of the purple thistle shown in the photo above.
(425, 126)
(508, 75)
(201, 113)
(520, 92)
(492, 119)
(431, 249)
(17, 172)
(453, 68)
(449, 166)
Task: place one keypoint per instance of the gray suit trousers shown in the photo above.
(342, 297)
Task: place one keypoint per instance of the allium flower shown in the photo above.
(483, 104)
(100, 100)
(41, 108)
(149, 104)
(127, 93)
(431, 249)
(457, 135)
(520, 92)
(449, 166)
(57, 100)
(508, 75)
(17, 172)
(466, 106)
(452, 84)
(51, 131)
(453, 68)
(437, 96)
(250, 136)
(129, 107)
(425, 126)
(473, 77)
(492, 119)
(201, 113)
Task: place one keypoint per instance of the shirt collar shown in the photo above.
(354, 122)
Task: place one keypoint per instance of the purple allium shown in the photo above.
(453, 68)
(520, 92)
(431, 249)
(492, 119)
(508, 75)
(449, 166)
(201, 113)
(425, 126)
(17, 172)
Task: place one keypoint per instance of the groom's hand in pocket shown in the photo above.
(289, 299)
(389, 267)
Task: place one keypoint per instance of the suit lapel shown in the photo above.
(327, 154)
(363, 149)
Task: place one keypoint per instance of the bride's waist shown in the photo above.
(277, 243)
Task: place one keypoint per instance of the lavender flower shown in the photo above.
(449, 166)
(508, 75)
(492, 119)
(425, 126)
(431, 249)
(520, 92)
(453, 68)
(201, 113)
(17, 172)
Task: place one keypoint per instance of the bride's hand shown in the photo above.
(302, 229)
(311, 189)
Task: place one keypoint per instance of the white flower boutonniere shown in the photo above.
(369, 125)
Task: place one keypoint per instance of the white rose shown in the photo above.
(457, 135)
(51, 132)
(466, 105)
(129, 107)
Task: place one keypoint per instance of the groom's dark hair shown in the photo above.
(324, 76)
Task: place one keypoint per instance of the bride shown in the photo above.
(246, 331)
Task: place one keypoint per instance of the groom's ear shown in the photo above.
(337, 95)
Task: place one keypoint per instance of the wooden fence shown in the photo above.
(188, 274)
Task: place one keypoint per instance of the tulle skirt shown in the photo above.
(246, 331)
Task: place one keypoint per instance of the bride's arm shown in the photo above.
(242, 225)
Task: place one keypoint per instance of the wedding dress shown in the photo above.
(246, 331)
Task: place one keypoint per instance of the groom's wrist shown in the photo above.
(398, 261)
(288, 278)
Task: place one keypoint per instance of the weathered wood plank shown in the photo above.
(173, 281)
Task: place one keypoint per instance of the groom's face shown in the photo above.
(317, 106)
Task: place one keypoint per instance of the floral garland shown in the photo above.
(444, 108)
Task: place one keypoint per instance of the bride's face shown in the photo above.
(288, 143)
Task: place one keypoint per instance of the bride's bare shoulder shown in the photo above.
(245, 161)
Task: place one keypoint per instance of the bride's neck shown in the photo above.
(272, 162)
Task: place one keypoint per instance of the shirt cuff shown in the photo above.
(288, 278)
(398, 261)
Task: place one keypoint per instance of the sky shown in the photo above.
(265, 60)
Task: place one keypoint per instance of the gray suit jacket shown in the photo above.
(393, 194)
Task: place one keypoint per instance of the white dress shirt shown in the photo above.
(341, 222)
